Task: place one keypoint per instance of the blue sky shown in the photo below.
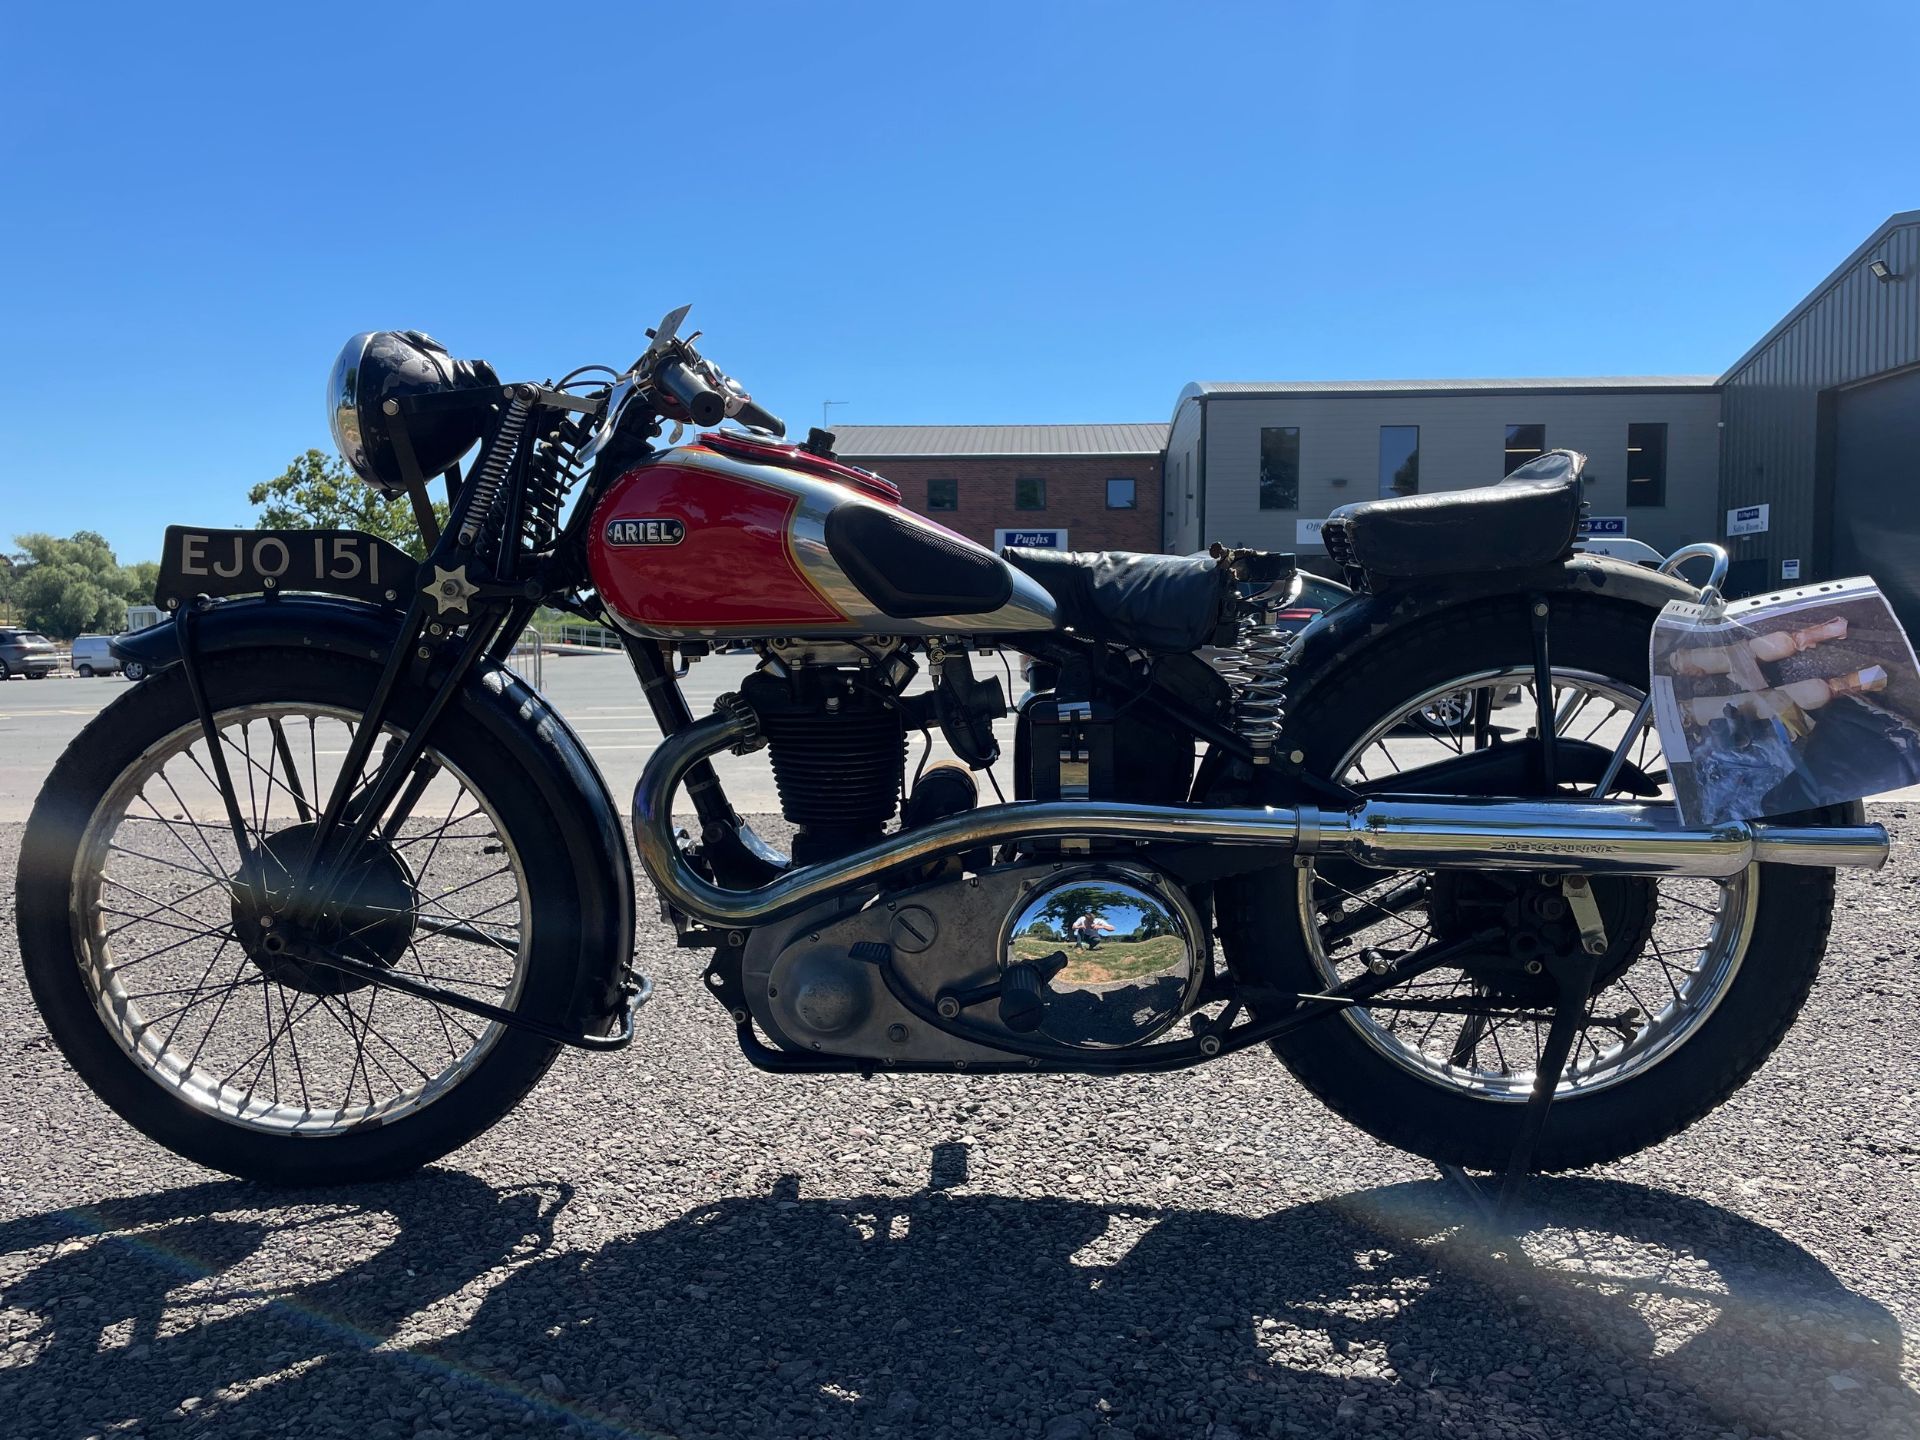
(967, 212)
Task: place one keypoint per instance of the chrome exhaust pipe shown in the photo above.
(1386, 832)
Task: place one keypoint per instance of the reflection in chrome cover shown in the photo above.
(1117, 948)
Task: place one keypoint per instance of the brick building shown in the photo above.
(1084, 487)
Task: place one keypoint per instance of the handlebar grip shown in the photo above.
(751, 414)
(704, 405)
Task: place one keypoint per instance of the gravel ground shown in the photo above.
(669, 1243)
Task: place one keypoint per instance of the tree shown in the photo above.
(137, 581)
(68, 586)
(320, 492)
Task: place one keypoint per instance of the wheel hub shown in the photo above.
(1537, 927)
(369, 918)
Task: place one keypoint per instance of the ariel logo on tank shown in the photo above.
(646, 532)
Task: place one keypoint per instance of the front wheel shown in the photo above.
(167, 992)
(1699, 982)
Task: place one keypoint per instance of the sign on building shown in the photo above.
(1789, 569)
(1748, 520)
(1307, 532)
(1030, 539)
(1604, 525)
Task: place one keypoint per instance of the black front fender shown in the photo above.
(510, 709)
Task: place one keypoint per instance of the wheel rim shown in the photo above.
(1645, 1008)
(189, 996)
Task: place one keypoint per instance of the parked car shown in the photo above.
(1637, 552)
(25, 652)
(93, 655)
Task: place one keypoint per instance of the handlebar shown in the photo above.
(753, 415)
(703, 404)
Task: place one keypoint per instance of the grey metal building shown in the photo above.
(1263, 464)
(1804, 457)
(1822, 422)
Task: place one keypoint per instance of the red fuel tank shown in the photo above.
(730, 537)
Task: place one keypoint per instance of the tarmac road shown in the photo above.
(596, 693)
(667, 1242)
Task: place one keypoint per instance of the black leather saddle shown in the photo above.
(1530, 518)
(1144, 602)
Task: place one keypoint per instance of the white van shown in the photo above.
(92, 657)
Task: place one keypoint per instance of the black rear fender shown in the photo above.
(511, 710)
(1340, 634)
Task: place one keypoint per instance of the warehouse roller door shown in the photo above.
(1876, 489)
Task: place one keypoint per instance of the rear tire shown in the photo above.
(86, 672)
(557, 971)
(1262, 924)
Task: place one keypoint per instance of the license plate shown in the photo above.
(221, 563)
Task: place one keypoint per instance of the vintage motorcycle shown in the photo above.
(321, 899)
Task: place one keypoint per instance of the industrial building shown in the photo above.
(1264, 464)
(1820, 457)
(1803, 457)
(1061, 487)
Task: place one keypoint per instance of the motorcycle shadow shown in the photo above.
(445, 1306)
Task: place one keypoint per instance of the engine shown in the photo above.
(1095, 956)
(981, 957)
(836, 737)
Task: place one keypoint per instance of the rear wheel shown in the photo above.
(86, 672)
(179, 1005)
(1700, 980)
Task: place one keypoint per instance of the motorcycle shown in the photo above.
(324, 897)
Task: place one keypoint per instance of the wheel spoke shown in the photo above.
(1483, 1028)
(324, 1051)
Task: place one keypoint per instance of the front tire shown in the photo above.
(351, 1082)
(1455, 1106)
(86, 672)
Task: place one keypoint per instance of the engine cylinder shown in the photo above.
(838, 751)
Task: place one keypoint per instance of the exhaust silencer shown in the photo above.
(1384, 832)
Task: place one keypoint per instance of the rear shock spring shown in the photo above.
(494, 469)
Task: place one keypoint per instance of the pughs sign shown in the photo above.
(1030, 539)
(1748, 520)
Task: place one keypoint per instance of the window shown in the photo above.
(1280, 467)
(943, 494)
(1524, 443)
(1030, 493)
(1399, 460)
(1121, 495)
(1646, 464)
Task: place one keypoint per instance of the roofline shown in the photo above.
(1892, 223)
(1442, 390)
(995, 454)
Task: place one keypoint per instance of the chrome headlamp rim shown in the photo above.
(343, 407)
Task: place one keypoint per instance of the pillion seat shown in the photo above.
(1530, 518)
(1145, 602)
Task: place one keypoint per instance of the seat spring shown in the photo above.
(1256, 670)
